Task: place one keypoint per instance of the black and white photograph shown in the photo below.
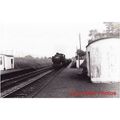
(74, 60)
(59, 59)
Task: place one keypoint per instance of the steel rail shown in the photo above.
(25, 83)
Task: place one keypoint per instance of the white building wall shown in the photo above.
(104, 60)
(77, 63)
(6, 62)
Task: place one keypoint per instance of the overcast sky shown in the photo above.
(44, 28)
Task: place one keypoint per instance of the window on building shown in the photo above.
(11, 61)
(0, 60)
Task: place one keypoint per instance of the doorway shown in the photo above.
(89, 64)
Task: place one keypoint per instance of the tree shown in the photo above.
(92, 34)
(112, 29)
(29, 57)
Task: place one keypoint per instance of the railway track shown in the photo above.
(45, 83)
(32, 90)
(12, 85)
(18, 72)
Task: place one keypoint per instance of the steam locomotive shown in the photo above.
(59, 60)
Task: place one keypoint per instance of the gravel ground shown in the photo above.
(70, 83)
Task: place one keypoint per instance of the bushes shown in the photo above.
(31, 62)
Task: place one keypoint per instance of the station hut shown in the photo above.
(6, 62)
(80, 56)
(103, 60)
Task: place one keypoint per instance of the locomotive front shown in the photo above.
(58, 60)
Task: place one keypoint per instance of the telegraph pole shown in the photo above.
(80, 50)
(80, 40)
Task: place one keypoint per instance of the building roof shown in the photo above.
(7, 55)
(99, 40)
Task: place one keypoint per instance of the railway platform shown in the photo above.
(71, 83)
(2, 72)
